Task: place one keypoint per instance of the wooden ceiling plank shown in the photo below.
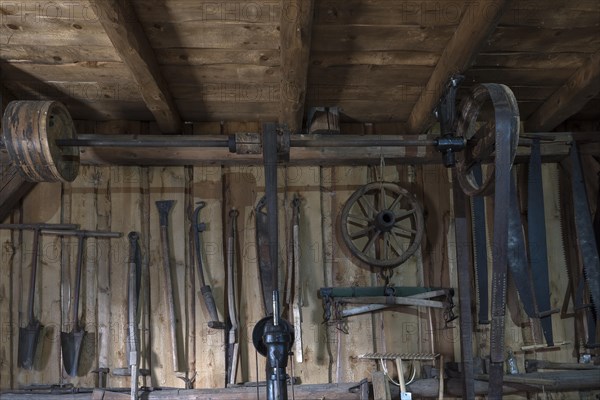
(296, 31)
(478, 22)
(127, 36)
(583, 86)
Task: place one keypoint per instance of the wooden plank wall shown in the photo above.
(122, 199)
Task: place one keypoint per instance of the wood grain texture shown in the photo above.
(581, 87)
(130, 41)
(478, 22)
(296, 34)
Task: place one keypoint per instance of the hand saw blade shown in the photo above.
(517, 253)
(585, 230)
(262, 253)
(480, 243)
(536, 235)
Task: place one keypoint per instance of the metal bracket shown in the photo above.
(445, 112)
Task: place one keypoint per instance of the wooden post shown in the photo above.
(296, 29)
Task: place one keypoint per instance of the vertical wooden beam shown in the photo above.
(582, 86)
(129, 39)
(296, 31)
(477, 23)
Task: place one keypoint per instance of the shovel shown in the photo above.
(70, 342)
(29, 335)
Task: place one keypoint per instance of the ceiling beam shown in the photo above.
(296, 32)
(129, 39)
(570, 98)
(478, 22)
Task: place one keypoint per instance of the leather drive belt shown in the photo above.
(480, 242)
(507, 122)
(504, 138)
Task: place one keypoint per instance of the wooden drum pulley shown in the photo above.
(30, 130)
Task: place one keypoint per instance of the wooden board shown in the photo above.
(380, 38)
(211, 35)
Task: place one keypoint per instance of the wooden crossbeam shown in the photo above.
(296, 29)
(478, 22)
(583, 85)
(129, 39)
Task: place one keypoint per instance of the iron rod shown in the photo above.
(360, 141)
(148, 141)
(87, 234)
(41, 227)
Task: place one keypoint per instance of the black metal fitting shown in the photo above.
(445, 112)
(278, 340)
(448, 145)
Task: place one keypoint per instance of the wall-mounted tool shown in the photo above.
(383, 297)
(297, 300)
(135, 275)
(164, 208)
(70, 342)
(585, 232)
(205, 291)
(29, 335)
(263, 256)
(382, 224)
(536, 238)
(232, 349)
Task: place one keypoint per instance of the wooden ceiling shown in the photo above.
(379, 60)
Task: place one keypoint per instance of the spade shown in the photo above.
(29, 335)
(70, 342)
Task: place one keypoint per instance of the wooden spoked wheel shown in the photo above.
(382, 224)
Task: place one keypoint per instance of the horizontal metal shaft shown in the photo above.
(98, 234)
(224, 141)
(41, 227)
(360, 141)
(147, 141)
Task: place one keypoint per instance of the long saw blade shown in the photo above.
(536, 235)
(480, 243)
(517, 253)
(585, 231)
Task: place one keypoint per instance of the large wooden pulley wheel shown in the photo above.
(30, 130)
(490, 110)
(382, 224)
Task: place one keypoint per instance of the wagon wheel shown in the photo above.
(382, 224)
(490, 107)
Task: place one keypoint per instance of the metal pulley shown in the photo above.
(479, 116)
(30, 130)
(382, 224)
